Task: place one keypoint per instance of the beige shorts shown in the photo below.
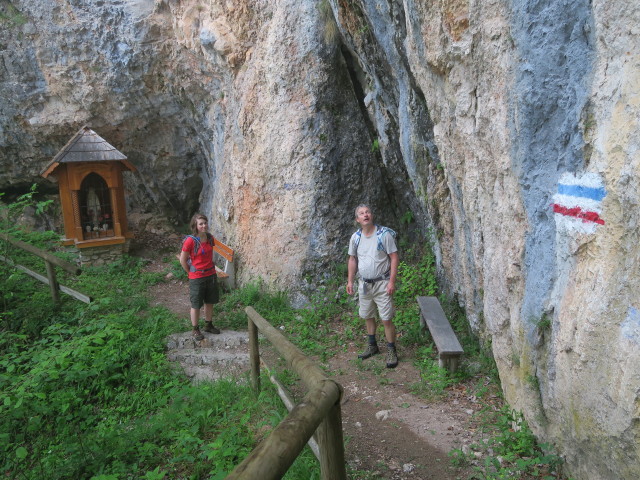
(375, 301)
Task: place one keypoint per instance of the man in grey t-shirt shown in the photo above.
(374, 256)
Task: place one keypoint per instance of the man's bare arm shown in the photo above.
(393, 273)
(352, 268)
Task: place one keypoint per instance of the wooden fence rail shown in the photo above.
(318, 412)
(50, 261)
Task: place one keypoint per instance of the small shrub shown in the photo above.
(414, 280)
(434, 379)
(544, 323)
(407, 217)
(512, 451)
(533, 382)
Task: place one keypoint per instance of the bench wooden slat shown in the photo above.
(440, 328)
(432, 315)
(223, 250)
(227, 273)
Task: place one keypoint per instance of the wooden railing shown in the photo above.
(319, 412)
(50, 261)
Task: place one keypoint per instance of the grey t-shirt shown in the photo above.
(372, 263)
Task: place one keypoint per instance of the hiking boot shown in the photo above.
(209, 328)
(197, 334)
(369, 352)
(392, 358)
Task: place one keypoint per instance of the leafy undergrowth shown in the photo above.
(86, 391)
(511, 450)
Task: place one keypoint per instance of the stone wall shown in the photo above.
(101, 255)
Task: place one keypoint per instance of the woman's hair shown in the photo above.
(194, 222)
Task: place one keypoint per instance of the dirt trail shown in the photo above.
(390, 432)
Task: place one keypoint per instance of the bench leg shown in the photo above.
(231, 279)
(423, 324)
(453, 364)
(450, 363)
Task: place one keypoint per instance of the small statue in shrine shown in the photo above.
(93, 206)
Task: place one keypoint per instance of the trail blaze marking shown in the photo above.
(578, 202)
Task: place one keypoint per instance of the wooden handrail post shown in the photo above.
(254, 356)
(50, 261)
(53, 282)
(318, 411)
(309, 372)
(274, 455)
(331, 445)
(73, 269)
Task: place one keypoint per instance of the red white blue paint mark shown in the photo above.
(578, 202)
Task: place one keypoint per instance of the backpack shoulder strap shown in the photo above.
(380, 232)
(192, 237)
(196, 243)
(356, 241)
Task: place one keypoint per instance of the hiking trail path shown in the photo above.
(389, 432)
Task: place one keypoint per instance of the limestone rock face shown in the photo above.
(508, 129)
(242, 109)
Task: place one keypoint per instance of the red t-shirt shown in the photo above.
(202, 261)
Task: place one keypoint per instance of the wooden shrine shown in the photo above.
(89, 174)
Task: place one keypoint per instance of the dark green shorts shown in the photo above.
(203, 290)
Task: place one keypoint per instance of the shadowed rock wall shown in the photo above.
(508, 128)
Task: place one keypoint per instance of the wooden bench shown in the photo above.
(433, 317)
(227, 274)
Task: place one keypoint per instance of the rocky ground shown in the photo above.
(390, 432)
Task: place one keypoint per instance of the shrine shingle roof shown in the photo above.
(86, 146)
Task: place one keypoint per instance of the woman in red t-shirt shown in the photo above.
(196, 259)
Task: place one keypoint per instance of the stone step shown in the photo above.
(225, 355)
(208, 356)
(226, 338)
(199, 374)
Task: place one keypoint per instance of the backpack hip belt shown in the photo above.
(192, 269)
(386, 276)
